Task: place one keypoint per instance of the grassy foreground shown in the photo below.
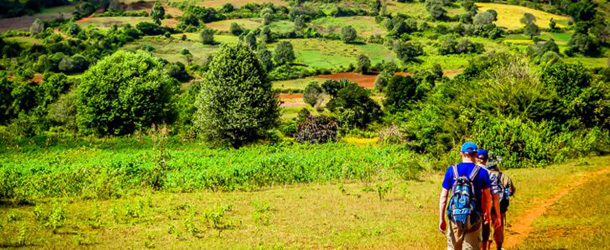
(372, 213)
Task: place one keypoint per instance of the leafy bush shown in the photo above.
(317, 129)
(332, 87)
(207, 36)
(284, 53)
(525, 143)
(266, 57)
(312, 93)
(236, 104)
(63, 111)
(364, 64)
(348, 34)
(150, 29)
(407, 51)
(235, 29)
(73, 64)
(125, 92)
(354, 107)
(399, 93)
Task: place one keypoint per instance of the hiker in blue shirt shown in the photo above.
(470, 202)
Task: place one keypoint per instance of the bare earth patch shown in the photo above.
(520, 231)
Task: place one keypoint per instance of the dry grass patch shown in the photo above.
(107, 22)
(225, 25)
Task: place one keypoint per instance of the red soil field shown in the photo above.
(291, 100)
(366, 81)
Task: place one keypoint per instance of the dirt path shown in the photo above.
(523, 226)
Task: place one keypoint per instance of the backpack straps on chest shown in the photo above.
(474, 173)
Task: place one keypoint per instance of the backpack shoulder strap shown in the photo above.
(475, 172)
(455, 172)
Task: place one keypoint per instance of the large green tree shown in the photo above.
(236, 104)
(157, 13)
(125, 92)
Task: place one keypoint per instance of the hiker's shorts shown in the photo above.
(461, 239)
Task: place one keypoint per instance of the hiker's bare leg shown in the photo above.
(499, 233)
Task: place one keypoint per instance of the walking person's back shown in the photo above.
(504, 187)
(470, 202)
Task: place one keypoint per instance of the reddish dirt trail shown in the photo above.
(523, 226)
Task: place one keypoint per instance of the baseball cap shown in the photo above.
(469, 147)
(482, 154)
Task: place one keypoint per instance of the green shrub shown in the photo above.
(354, 107)
(207, 36)
(123, 93)
(284, 53)
(317, 129)
(312, 93)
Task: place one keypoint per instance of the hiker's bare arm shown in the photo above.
(442, 202)
(496, 205)
(486, 205)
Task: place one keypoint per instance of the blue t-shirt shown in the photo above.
(481, 181)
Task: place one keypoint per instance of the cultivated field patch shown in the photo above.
(321, 53)
(364, 25)
(24, 22)
(238, 3)
(225, 25)
(509, 15)
(170, 49)
(107, 22)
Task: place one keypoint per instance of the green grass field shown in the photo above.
(320, 53)
(364, 25)
(335, 213)
(300, 83)
(23, 41)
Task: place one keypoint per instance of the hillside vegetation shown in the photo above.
(152, 124)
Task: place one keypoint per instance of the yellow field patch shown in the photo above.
(519, 41)
(360, 141)
(509, 15)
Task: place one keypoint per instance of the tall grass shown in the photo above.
(112, 169)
